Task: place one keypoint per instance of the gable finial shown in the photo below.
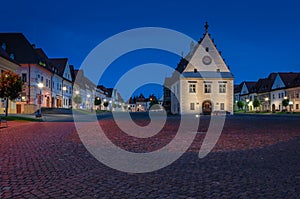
(206, 27)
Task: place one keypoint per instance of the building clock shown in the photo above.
(206, 60)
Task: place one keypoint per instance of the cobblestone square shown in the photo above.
(255, 157)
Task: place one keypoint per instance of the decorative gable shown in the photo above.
(244, 89)
(206, 57)
(278, 83)
(67, 72)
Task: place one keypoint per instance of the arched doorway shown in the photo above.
(207, 107)
(273, 108)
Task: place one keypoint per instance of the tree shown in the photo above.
(256, 103)
(285, 103)
(10, 87)
(240, 104)
(77, 99)
(105, 104)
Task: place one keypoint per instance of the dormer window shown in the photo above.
(195, 70)
(12, 56)
(3, 46)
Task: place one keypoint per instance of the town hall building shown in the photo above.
(202, 82)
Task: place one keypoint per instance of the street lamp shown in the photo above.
(40, 86)
(64, 88)
(267, 102)
(247, 103)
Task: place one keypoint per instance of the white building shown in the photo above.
(205, 83)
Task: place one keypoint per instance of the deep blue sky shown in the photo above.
(256, 37)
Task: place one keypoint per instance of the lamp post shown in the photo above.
(267, 103)
(40, 86)
(64, 88)
(88, 101)
(247, 104)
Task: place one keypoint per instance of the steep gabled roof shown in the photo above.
(265, 84)
(60, 64)
(72, 72)
(250, 86)
(6, 56)
(289, 78)
(203, 57)
(44, 60)
(238, 88)
(83, 81)
(296, 82)
(17, 44)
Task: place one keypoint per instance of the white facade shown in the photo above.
(205, 84)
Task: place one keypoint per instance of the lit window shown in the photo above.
(207, 88)
(297, 106)
(192, 106)
(222, 88)
(192, 88)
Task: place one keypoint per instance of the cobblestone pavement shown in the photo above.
(256, 157)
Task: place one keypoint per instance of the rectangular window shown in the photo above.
(24, 77)
(222, 88)
(279, 95)
(42, 78)
(297, 106)
(192, 106)
(192, 88)
(222, 106)
(207, 88)
(273, 96)
(297, 95)
(47, 85)
(57, 86)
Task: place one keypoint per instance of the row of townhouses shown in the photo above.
(141, 103)
(48, 82)
(271, 92)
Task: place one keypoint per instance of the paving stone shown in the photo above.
(254, 158)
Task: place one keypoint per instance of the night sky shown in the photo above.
(256, 37)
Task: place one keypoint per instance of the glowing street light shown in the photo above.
(40, 86)
(267, 101)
